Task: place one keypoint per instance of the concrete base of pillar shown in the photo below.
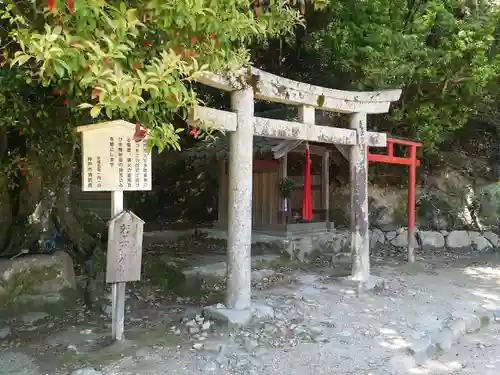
(231, 317)
(372, 284)
(237, 318)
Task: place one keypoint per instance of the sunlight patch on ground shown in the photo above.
(392, 339)
(490, 296)
(348, 291)
(436, 367)
(486, 273)
(483, 294)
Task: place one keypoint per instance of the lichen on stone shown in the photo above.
(253, 80)
(321, 100)
(282, 90)
(27, 282)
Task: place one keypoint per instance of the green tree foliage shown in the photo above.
(441, 53)
(136, 61)
(66, 63)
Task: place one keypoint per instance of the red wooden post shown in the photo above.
(390, 148)
(412, 169)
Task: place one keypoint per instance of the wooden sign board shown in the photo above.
(124, 256)
(112, 160)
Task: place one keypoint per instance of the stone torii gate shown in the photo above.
(249, 84)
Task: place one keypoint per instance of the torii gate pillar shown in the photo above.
(239, 240)
(360, 241)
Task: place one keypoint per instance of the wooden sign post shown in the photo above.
(123, 262)
(113, 161)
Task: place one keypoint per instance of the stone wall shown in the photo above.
(336, 242)
(457, 240)
(305, 246)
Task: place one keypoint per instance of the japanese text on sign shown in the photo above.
(113, 161)
(124, 253)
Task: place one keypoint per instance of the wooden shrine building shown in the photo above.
(278, 185)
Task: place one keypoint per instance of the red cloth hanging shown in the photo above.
(306, 198)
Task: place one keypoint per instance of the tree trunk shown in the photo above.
(65, 218)
(5, 216)
(497, 152)
(5, 206)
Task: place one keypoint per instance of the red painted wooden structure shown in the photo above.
(306, 197)
(412, 162)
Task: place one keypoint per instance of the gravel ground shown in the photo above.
(320, 326)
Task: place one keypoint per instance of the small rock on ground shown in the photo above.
(4, 332)
(261, 311)
(207, 366)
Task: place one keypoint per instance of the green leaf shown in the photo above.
(95, 111)
(60, 71)
(20, 60)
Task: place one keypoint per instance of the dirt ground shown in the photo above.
(319, 324)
